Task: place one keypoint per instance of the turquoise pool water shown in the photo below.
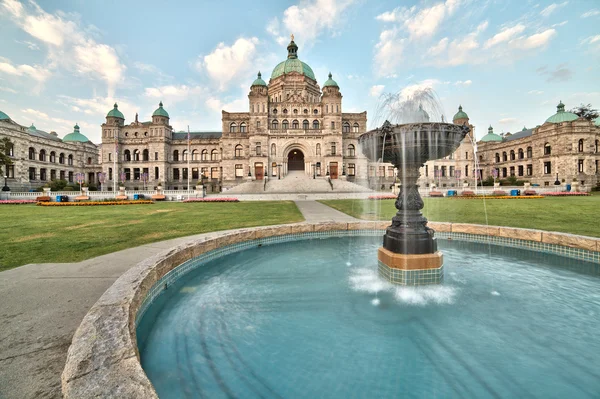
(311, 319)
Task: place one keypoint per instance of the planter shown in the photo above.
(526, 186)
(465, 185)
(575, 186)
(496, 185)
(46, 191)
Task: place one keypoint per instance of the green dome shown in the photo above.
(491, 136)
(460, 114)
(292, 64)
(3, 116)
(115, 113)
(76, 136)
(561, 115)
(597, 121)
(31, 128)
(160, 111)
(421, 115)
(259, 81)
(330, 82)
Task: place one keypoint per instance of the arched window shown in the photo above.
(318, 150)
(127, 155)
(305, 124)
(136, 155)
(43, 155)
(204, 155)
(580, 145)
(243, 127)
(176, 155)
(295, 124)
(145, 155)
(346, 127)
(70, 159)
(233, 127)
(497, 157)
(184, 155)
(238, 151)
(547, 149)
(315, 124)
(529, 152)
(214, 155)
(32, 153)
(355, 128)
(273, 150)
(275, 124)
(521, 155)
(512, 155)
(351, 150)
(89, 160)
(52, 157)
(61, 158)
(504, 156)
(285, 124)
(194, 155)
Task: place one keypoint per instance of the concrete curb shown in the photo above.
(103, 359)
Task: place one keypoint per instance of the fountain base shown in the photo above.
(411, 269)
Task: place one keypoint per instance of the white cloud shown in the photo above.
(427, 84)
(590, 13)
(35, 113)
(551, 8)
(8, 90)
(506, 121)
(69, 44)
(173, 93)
(463, 83)
(99, 106)
(376, 90)
(36, 72)
(535, 92)
(439, 48)
(227, 63)
(534, 41)
(388, 52)
(563, 23)
(309, 19)
(239, 105)
(30, 45)
(591, 40)
(504, 36)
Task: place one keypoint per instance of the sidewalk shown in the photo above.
(41, 306)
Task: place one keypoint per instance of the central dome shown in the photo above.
(292, 64)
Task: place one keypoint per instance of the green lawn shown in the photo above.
(34, 234)
(576, 215)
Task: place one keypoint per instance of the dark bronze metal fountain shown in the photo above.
(409, 254)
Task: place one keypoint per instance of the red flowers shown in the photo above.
(382, 197)
(224, 199)
(564, 194)
(95, 203)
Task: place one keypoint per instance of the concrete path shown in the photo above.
(41, 306)
(314, 211)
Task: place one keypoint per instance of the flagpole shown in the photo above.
(188, 163)
(114, 174)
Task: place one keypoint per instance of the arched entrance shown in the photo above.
(295, 160)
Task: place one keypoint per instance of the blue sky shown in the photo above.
(507, 62)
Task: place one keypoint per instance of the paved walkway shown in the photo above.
(41, 306)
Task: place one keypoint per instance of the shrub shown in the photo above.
(58, 185)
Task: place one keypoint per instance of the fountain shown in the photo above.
(409, 254)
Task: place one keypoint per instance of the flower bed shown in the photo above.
(43, 198)
(95, 203)
(16, 202)
(500, 197)
(564, 194)
(382, 197)
(212, 200)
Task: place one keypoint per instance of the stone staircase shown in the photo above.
(298, 182)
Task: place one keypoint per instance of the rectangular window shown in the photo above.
(127, 174)
(195, 174)
(31, 173)
(176, 174)
(258, 150)
(371, 170)
(332, 124)
(52, 174)
(547, 167)
(451, 171)
(70, 177)
(520, 170)
(504, 172)
(466, 170)
(529, 170)
(333, 149)
(444, 171)
(43, 174)
(109, 156)
(239, 171)
(466, 155)
(426, 170)
(596, 166)
(156, 176)
(136, 174)
(10, 171)
(204, 172)
(381, 171)
(390, 171)
(184, 173)
(352, 168)
(214, 173)
(62, 175)
(512, 170)
(156, 156)
(580, 165)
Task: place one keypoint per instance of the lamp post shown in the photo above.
(5, 188)
(557, 182)
(278, 171)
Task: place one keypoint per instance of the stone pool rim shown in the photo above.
(103, 359)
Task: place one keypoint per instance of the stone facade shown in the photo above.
(39, 157)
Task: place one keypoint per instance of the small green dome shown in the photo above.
(115, 113)
(4, 117)
(561, 115)
(460, 114)
(491, 136)
(330, 82)
(292, 64)
(422, 115)
(31, 128)
(259, 81)
(76, 136)
(524, 128)
(597, 121)
(160, 111)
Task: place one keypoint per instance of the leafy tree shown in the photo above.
(5, 147)
(586, 111)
